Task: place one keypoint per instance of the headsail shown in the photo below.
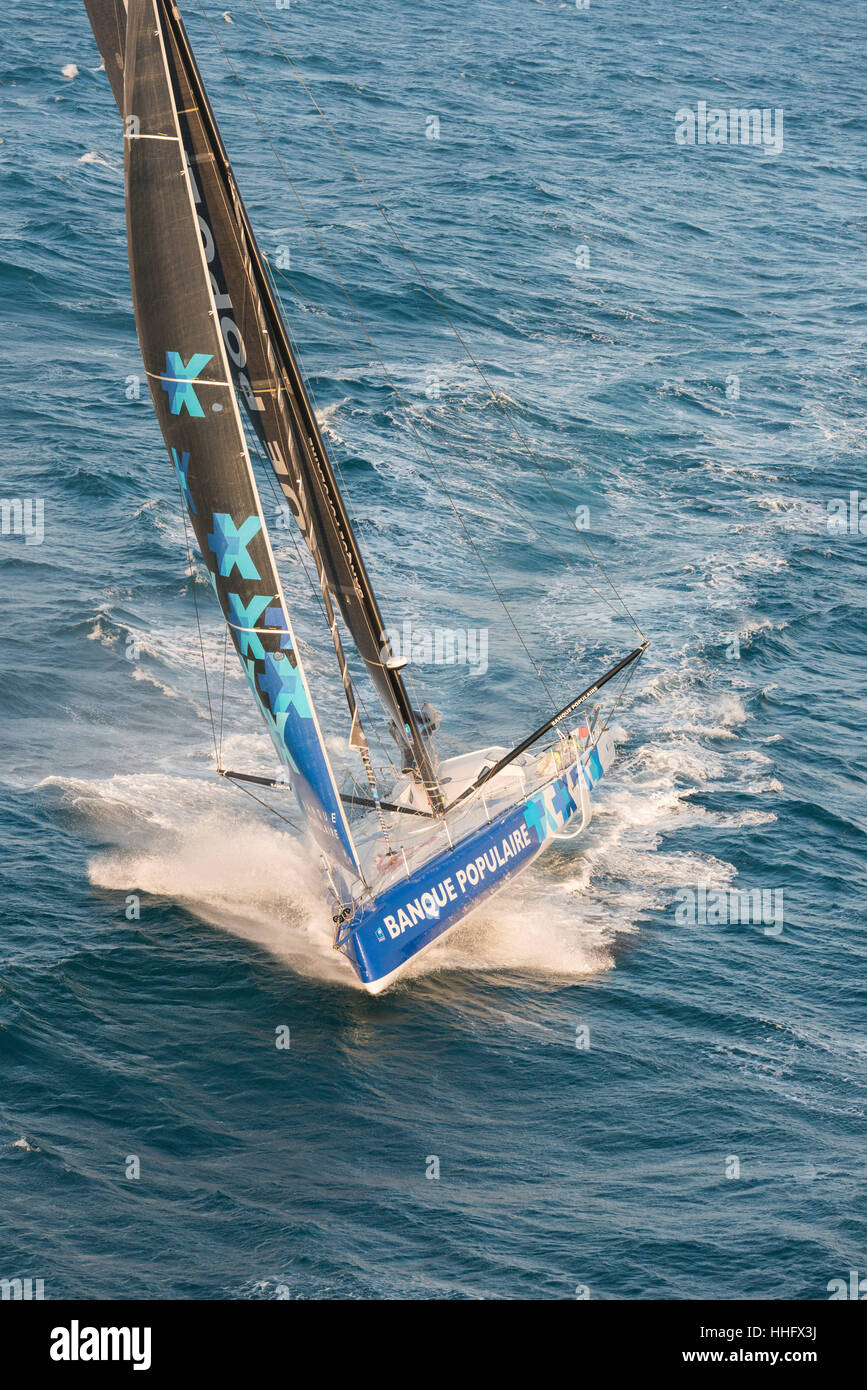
(187, 360)
(272, 392)
(108, 21)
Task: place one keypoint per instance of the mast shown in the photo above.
(274, 396)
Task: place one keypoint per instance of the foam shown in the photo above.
(193, 841)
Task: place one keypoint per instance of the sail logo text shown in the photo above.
(427, 905)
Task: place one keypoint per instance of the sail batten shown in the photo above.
(187, 361)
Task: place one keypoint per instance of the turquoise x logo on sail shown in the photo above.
(179, 378)
(229, 543)
(243, 619)
(182, 467)
(282, 683)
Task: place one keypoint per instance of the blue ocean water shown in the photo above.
(695, 378)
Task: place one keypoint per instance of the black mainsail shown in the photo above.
(271, 390)
(187, 360)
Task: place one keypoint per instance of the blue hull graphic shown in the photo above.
(408, 917)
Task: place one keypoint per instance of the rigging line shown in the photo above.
(347, 497)
(244, 258)
(363, 327)
(299, 551)
(442, 310)
(490, 772)
(314, 453)
(611, 712)
(280, 501)
(273, 811)
(242, 249)
(361, 710)
(199, 625)
(408, 413)
(333, 456)
(399, 396)
(605, 722)
(491, 487)
(405, 404)
(250, 434)
(223, 691)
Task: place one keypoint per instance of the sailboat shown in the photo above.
(405, 861)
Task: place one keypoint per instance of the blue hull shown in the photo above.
(389, 932)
